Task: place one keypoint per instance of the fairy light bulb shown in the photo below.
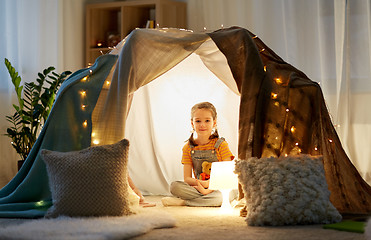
(315, 148)
(262, 50)
(293, 129)
(83, 107)
(278, 80)
(297, 144)
(287, 110)
(84, 78)
(85, 123)
(274, 95)
(96, 142)
(83, 93)
(108, 83)
(330, 140)
(265, 68)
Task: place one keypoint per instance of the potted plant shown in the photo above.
(35, 100)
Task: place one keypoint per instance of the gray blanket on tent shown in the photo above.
(258, 72)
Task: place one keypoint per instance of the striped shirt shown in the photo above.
(223, 152)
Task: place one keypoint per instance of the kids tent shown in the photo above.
(94, 105)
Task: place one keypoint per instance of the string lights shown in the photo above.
(274, 96)
(83, 94)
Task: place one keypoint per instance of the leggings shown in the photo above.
(194, 198)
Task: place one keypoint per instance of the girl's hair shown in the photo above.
(212, 109)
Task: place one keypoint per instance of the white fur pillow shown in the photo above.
(90, 182)
(286, 191)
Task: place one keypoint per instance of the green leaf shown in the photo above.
(34, 107)
(17, 81)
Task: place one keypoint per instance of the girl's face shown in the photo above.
(203, 122)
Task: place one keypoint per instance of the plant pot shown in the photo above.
(20, 163)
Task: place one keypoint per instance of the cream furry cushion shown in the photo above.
(286, 191)
(90, 182)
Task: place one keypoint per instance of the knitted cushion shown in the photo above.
(90, 182)
(286, 191)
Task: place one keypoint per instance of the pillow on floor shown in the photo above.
(286, 191)
(90, 182)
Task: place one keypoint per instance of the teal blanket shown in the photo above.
(27, 195)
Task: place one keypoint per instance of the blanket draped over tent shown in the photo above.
(281, 111)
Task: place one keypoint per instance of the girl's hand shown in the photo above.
(204, 183)
(199, 187)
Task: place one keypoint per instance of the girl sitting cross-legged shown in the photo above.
(207, 147)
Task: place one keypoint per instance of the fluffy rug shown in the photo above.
(101, 228)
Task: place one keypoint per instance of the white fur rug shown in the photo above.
(99, 228)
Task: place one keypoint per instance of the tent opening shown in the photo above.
(158, 123)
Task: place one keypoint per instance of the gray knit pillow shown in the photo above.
(90, 182)
(286, 191)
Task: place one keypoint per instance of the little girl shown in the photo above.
(205, 147)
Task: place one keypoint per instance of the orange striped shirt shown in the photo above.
(222, 152)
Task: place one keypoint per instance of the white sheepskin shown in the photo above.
(286, 191)
(89, 228)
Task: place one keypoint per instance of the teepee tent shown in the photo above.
(118, 98)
